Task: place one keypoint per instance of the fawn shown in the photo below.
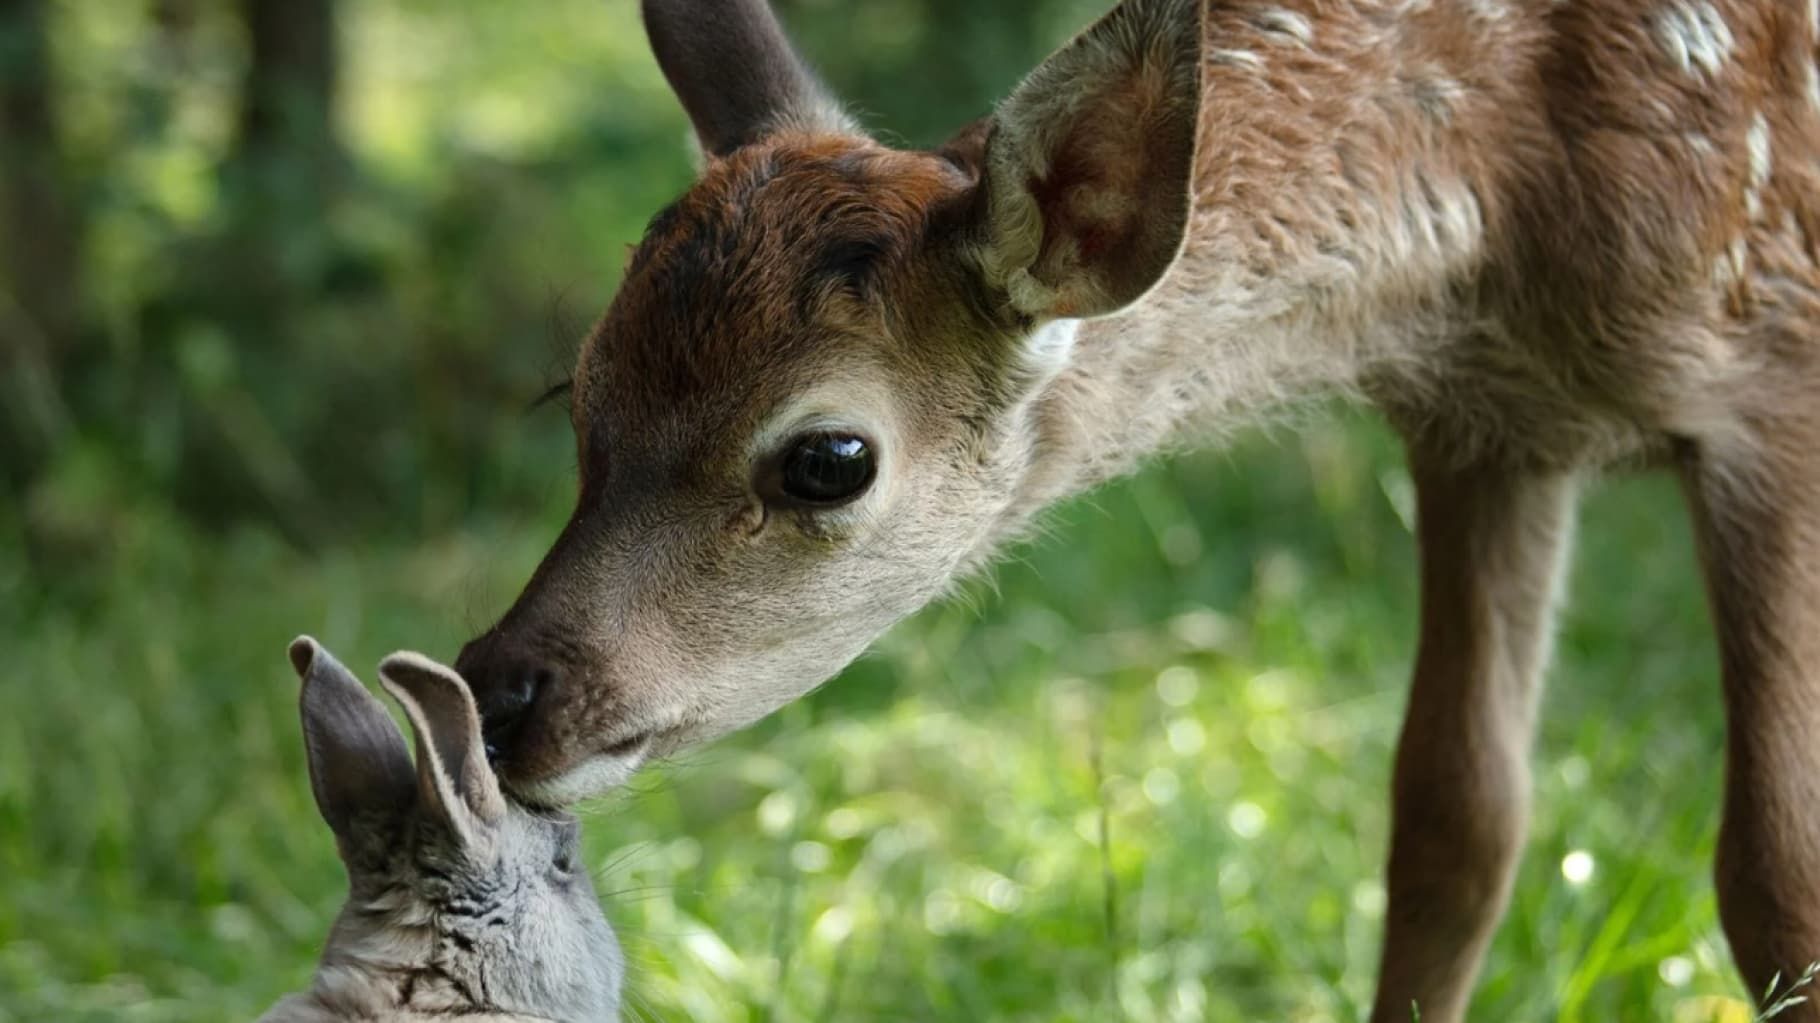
(461, 903)
(1541, 236)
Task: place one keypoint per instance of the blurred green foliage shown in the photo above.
(269, 367)
(334, 305)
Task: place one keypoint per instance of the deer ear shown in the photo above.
(454, 781)
(1088, 173)
(359, 767)
(730, 64)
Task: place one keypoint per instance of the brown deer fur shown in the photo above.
(1542, 236)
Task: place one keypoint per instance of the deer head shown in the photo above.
(810, 407)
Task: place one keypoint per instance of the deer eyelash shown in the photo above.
(558, 392)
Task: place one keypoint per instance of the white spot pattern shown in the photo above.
(1236, 58)
(1290, 23)
(1728, 268)
(1695, 35)
(1757, 144)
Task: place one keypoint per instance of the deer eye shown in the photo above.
(828, 468)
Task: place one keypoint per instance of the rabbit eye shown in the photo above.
(564, 860)
(565, 856)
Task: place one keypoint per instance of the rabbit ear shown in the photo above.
(453, 777)
(359, 767)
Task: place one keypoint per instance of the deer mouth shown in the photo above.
(631, 746)
(591, 775)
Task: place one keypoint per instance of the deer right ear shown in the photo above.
(1088, 167)
(360, 769)
(734, 71)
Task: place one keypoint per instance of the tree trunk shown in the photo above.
(256, 280)
(288, 99)
(40, 248)
(280, 174)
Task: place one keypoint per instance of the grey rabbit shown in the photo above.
(462, 903)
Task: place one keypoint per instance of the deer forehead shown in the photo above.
(754, 280)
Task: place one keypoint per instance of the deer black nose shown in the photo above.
(506, 685)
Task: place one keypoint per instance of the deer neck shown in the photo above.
(1338, 230)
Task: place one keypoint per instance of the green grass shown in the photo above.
(1140, 776)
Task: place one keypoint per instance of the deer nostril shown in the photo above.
(506, 706)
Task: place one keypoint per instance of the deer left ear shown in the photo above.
(1089, 166)
(735, 72)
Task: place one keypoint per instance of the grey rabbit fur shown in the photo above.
(462, 903)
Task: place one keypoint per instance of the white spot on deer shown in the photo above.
(1695, 36)
(1437, 222)
(1488, 10)
(1757, 144)
(1278, 21)
(1813, 20)
(1813, 86)
(1728, 269)
(1437, 95)
(1458, 220)
(1236, 58)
